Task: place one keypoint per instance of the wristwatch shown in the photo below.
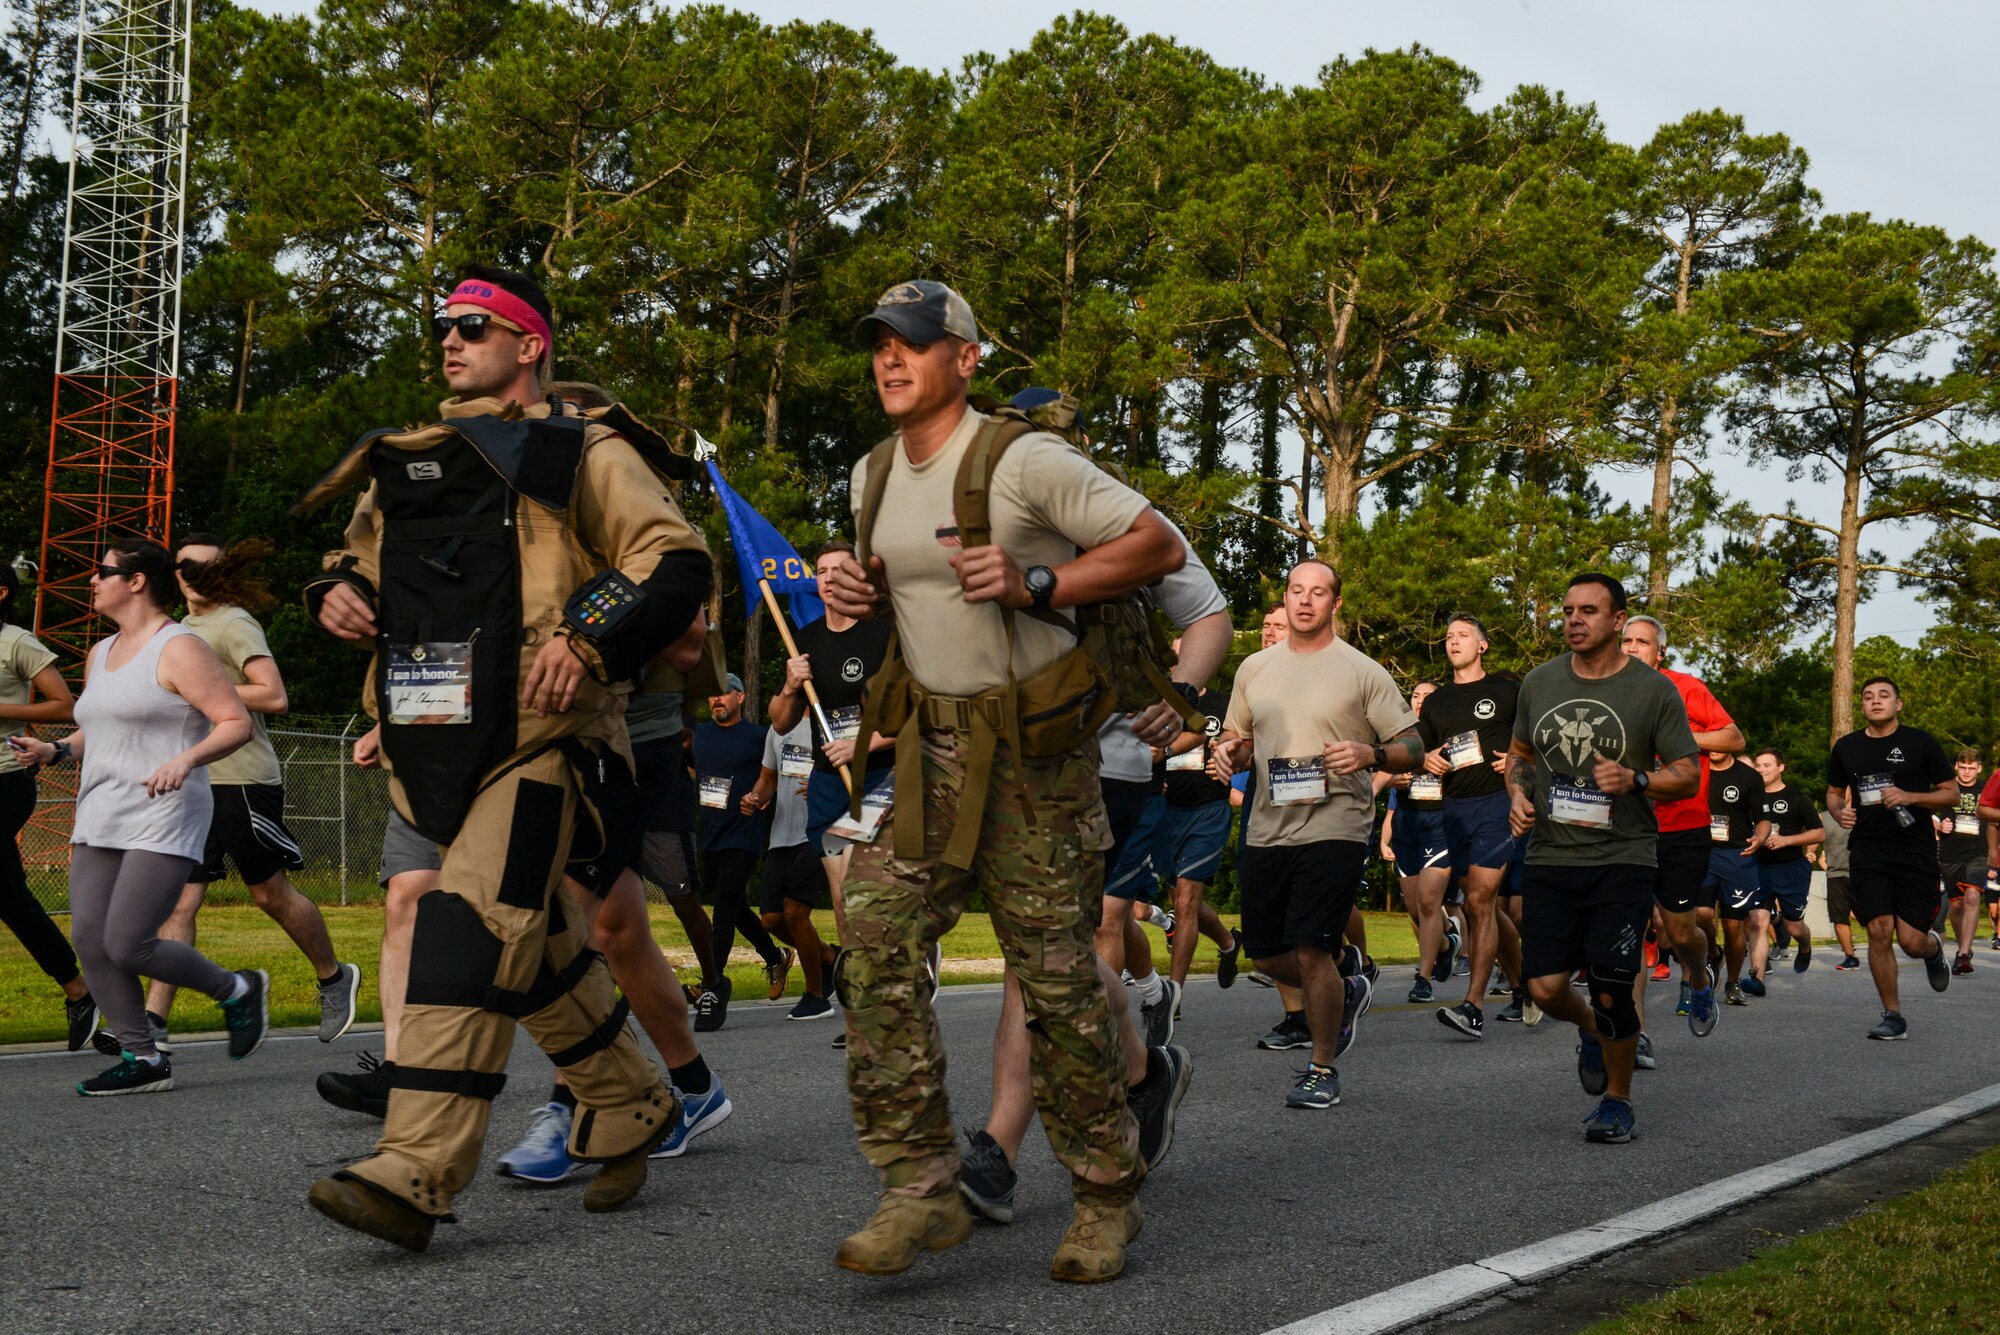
(1041, 582)
(1641, 780)
(1380, 759)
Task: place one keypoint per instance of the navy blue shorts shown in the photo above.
(1476, 828)
(1134, 875)
(826, 802)
(1729, 870)
(1417, 839)
(1786, 886)
(1189, 842)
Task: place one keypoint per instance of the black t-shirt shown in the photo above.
(1484, 707)
(726, 764)
(1910, 759)
(1790, 812)
(1966, 841)
(1193, 788)
(1736, 795)
(842, 663)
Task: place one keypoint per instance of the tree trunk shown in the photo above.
(243, 363)
(753, 643)
(1660, 541)
(1847, 584)
(1267, 541)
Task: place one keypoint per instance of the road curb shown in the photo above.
(1449, 1290)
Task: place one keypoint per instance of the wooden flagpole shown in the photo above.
(792, 651)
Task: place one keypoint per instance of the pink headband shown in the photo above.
(504, 304)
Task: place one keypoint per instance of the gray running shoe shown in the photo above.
(1937, 968)
(1891, 1028)
(1645, 1060)
(337, 997)
(1289, 1032)
(1318, 1087)
(1155, 1101)
(1157, 1020)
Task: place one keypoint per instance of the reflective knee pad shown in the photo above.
(1620, 1018)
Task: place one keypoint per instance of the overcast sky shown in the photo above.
(1895, 103)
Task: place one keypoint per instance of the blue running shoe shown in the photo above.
(1681, 1006)
(1611, 1124)
(1590, 1072)
(1754, 985)
(543, 1154)
(1702, 1012)
(699, 1113)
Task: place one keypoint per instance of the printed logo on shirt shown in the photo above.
(1485, 709)
(850, 671)
(1576, 732)
(1781, 806)
(1212, 728)
(1895, 755)
(1731, 793)
(947, 533)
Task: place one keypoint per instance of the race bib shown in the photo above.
(1718, 829)
(1967, 822)
(714, 791)
(844, 725)
(875, 805)
(1427, 787)
(1577, 804)
(1463, 751)
(796, 761)
(1194, 761)
(430, 683)
(1299, 781)
(1868, 788)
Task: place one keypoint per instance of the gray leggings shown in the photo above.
(117, 900)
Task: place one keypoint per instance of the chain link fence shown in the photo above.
(334, 810)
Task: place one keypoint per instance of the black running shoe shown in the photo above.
(82, 1017)
(985, 1179)
(1318, 1087)
(367, 1092)
(1232, 958)
(1935, 967)
(1512, 1012)
(1465, 1017)
(248, 1018)
(1892, 1028)
(1290, 1032)
(129, 1076)
(712, 1009)
(1447, 958)
(1155, 1100)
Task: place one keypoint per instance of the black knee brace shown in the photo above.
(1611, 1001)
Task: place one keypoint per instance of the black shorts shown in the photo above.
(1963, 877)
(248, 829)
(1839, 898)
(1680, 881)
(1299, 896)
(1910, 893)
(1578, 916)
(666, 858)
(668, 800)
(793, 873)
(603, 849)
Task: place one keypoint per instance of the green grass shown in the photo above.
(241, 937)
(1929, 1261)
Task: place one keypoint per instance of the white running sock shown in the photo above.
(1149, 988)
(242, 986)
(1157, 918)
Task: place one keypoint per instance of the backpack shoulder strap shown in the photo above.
(881, 460)
(972, 489)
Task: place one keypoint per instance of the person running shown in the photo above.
(1414, 843)
(1962, 858)
(156, 710)
(27, 669)
(1290, 1032)
(655, 718)
(728, 753)
(1306, 716)
(1598, 738)
(1062, 534)
(794, 876)
(1876, 774)
(1989, 811)
(1832, 858)
(1192, 835)
(1784, 875)
(248, 829)
(1736, 828)
(1466, 726)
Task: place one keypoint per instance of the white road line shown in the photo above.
(1448, 1290)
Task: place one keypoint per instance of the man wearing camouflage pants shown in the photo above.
(1063, 534)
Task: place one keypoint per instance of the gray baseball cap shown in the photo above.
(922, 312)
(732, 684)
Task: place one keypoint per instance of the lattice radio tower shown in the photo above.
(111, 443)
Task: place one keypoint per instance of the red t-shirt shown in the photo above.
(1991, 796)
(1705, 714)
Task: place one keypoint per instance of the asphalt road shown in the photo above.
(187, 1210)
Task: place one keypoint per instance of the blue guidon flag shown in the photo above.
(763, 554)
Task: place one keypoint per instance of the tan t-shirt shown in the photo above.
(1291, 705)
(1047, 500)
(21, 657)
(237, 638)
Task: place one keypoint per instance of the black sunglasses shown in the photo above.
(114, 572)
(471, 326)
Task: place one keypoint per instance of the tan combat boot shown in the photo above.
(904, 1226)
(617, 1182)
(1094, 1248)
(368, 1209)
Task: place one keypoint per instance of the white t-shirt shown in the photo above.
(788, 805)
(1186, 596)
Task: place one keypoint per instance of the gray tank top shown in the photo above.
(131, 726)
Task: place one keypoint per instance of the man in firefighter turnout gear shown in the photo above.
(512, 565)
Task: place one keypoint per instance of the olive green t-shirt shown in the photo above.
(1045, 501)
(21, 657)
(1634, 717)
(237, 638)
(1290, 705)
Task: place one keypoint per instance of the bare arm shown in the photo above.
(1728, 739)
(264, 693)
(191, 670)
(1203, 647)
(1144, 554)
(57, 705)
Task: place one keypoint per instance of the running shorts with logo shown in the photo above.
(1476, 828)
(1680, 882)
(1417, 841)
(1574, 917)
(1136, 810)
(1730, 874)
(1189, 841)
(1299, 894)
(1785, 887)
(248, 829)
(795, 873)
